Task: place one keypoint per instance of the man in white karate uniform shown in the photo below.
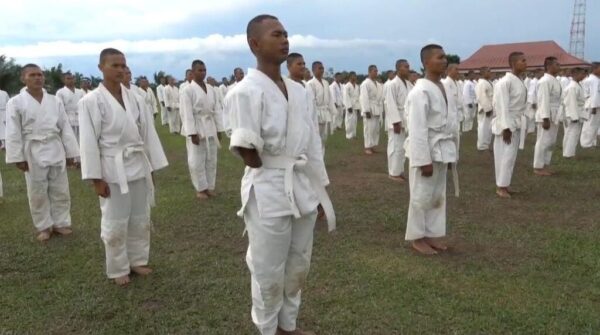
(148, 97)
(3, 101)
(509, 125)
(223, 87)
(432, 149)
(202, 127)
(86, 85)
(371, 103)
(172, 105)
(69, 95)
(395, 100)
(188, 80)
(547, 116)
(338, 101)
(160, 95)
(469, 101)
(238, 76)
(591, 86)
(484, 91)
(120, 150)
(575, 113)
(40, 142)
(532, 100)
(277, 137)
(352, 105)
(324, 101)
(454, 90)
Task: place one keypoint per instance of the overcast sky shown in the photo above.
(346, 35)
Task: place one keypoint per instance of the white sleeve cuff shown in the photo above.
(245, 138)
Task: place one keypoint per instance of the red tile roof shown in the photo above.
(496, 56)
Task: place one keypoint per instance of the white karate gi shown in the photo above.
(531, 101)
(324, 104)
(199, 109)
(549, 94)
(150, 100)
(510, 103)
(70, 99)
(469, 98)
(589, 132)
(371, 101)
(485, 93)
(351, 101)
(40, 134)
(160, 95)
(172, 102)
(395, 100)
(3, 101)
(432, 139)
(454, 90)
(575, 116)
(120, 146)
(279, 199)
(335, 90)
(223, 89)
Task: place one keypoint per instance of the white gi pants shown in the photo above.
(589, 132)
(324, 132)
(371, 131)
(174, 120)
(202, 162)
(278, 257)
(505, 156)
(427, 205)
(351, 120)
(396, 153)
(164, 115)
(338, 118)
(484, 131)
(49, 197)
(571, 138)
(544, 145)
(467, 124)
(530, 115)
(125, 228)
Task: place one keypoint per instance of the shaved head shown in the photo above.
(426, 51)
(253, 30)
(109, 52)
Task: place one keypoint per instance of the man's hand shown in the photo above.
(470, 105)
(168, 109)
(154, 116)
(195, 139)
(70, 162)
(23, 166)
(219, 135)
(368, 115)
(350, 110)
(250, 157)
(101, 188)
(488, 114)
(397, 127)
(534, 106)
(427, 170)
(594, 110)
(162, 103)
(546, 124)
(507, 136)
(574, 121)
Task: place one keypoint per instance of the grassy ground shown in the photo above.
(529, 265)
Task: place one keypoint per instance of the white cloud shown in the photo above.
(209, 45)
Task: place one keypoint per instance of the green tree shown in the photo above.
(54, 78)
(158, 75)
(10, 74)
(453, 58)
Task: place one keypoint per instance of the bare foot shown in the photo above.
(368, 151)
(436, 243)
(211, 193)
(63, 231)
(541, 172)
(400, 179)
(202, 195)
(503, 193)
(422, 247)
(44, 235)
(298, 331)
(122, 281)
(141, 270)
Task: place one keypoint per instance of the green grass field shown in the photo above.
(528, 265)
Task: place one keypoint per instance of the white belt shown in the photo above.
(289, 164)
(119, 154)
(31, 137)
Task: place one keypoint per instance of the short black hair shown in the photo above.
(484, 69)
(371, 67)
(352, 73)
(251, 27)
(577, 70)
(512, 58)
(292, 57)
(29, 66)
(190, 70)
(595, 65)
(109, 52)
(315, 63)
(237, 69)
(427, 49)
(195, 63)
(401, 61)
(337, 74)
(68, 73)
(549, 61)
